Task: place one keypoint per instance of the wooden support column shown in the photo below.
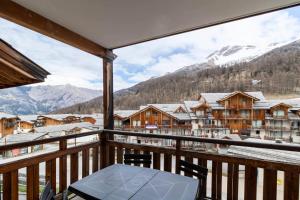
(108, 108)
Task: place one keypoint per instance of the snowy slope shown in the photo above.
(230, 55)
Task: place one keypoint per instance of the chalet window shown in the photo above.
(136, 123)
(200, 112)
(278, 113)
(244, 113)
(154, 113)
(226, 112)
(148, 113)
(257, 123)
(165, 122)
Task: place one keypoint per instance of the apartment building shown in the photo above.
(215, 114)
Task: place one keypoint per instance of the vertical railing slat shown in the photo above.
(156, 160)
(219, 180)
(235, 182)
(146, 165)
(103, 150)
(203, 163)
(291, 185)
(85, 162)
(230, 181)
(74, 167)
(250, 183)
(95, 159)
(178, 156)
(14, 185)
(33, 182)
(10, 185)
(167, 162)
(270, 184)
(120, 155)
(190, 160)
(214, 180)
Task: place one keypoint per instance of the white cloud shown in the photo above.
(143, 61)
(66, 64)
(194, 46)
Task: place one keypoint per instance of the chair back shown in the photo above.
(198, 171)
(47, 193)
(137, 159)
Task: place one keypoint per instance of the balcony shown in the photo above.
(70, 163)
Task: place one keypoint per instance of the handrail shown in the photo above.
(286, 147)
(46, 140)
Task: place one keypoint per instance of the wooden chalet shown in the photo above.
(8, 124)
(99, 27)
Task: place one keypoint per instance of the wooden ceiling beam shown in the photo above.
(20, 15)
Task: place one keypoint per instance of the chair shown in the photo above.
(198, 171)
(47, 193)
(137, 159)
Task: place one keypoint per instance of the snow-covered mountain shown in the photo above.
(231, 55)
(42, 99)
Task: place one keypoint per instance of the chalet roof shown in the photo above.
(266, 154)
(236, 93)
(116, 23)
(16, 69)
(21, 137)
(293, 116)
(7, 116)
(63, 127)
(214, 97)
(295, 102)
(171, 108)
(59, 116)
(189, 105)
(124, 113)
(28, 118)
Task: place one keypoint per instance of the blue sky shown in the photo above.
(151, 59)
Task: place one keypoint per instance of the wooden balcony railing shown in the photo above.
(106, 151)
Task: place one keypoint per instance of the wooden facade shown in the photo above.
(89, 119)
(26, 125)
(238, 113)
(154, 117)
(7, 126)
(47, 121)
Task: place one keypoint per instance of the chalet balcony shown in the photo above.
(230, 176)
(156, 127)
(239, 106)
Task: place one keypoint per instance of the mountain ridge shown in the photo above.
(43, 98)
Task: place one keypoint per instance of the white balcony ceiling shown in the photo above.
(117, 23)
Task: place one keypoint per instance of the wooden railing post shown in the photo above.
(62, 167)
(178, 146)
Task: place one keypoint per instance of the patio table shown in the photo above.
(118, 182)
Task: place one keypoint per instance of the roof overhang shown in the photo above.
(16, 69)
(236, 93)
(281, 104)
(95, 26)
